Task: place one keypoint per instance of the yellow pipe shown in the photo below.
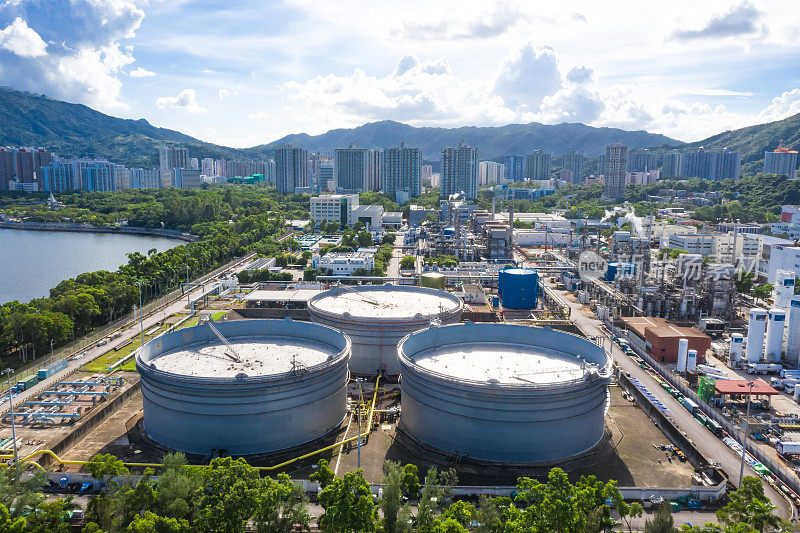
(363, 435)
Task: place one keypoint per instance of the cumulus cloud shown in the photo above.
(186, 100)
(259, 115)
(782, 106)
(527, 77)
(224, 93)
(580, 75)
(141, 73)
(740, 20)
(18, 38)
(69, 49)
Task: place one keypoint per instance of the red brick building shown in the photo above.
(659, 338)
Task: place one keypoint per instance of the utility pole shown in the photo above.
(13, 425)
(188, 301)
(141, 317)
(744, 437)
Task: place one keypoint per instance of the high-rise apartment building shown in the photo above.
(122, 177)
(616, 163)
(351, 167)
(459, 171)
(642, 160)
(402, 171)
(490, 172)
(291, 168)
(572, 166)
(709, 164)
(169, 157)
(515, 167)
(186, 178)
(98, 176)
(537, 166)
(377, 168)
(671, 164)
(781, 161)
(427, 171)
(141, 178)
(23, 165)
(208, 167)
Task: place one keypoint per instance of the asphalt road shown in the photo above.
(708, 444)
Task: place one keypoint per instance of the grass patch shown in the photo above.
(193, 322)
(102, 363)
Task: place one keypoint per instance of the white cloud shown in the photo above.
(740, 20)
(782, 106)
(69, 50)
(21, 40)
(527, 77)
(186, 100)
(260, 115)
(224, 93)
(141, 73)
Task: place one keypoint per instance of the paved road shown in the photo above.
(708, 444)
(129, 332)
(393, 268)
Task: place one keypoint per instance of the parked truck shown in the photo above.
(788, 447)
(690, 405)
(26, 384)
(764, 368)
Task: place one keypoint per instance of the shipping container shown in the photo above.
(690, 405)
(27, 383)
(51, 369)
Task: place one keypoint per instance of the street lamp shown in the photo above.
(744, 437)
(141, 317)
(13, 425)
(360, 405)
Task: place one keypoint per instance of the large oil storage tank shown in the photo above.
(376, 317)
(518, 288)
(503, 393)
(773, 348)
(432, 280)
(793, 330)
(245, 386)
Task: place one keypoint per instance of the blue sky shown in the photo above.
(242, 73)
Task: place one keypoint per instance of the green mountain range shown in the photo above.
(74, 130)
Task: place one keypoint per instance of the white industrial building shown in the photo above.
(345, 210)
(343, 263)
(538, 237)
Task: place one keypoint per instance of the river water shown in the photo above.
(33, 262)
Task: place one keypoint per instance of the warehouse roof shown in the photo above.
(739, 386)
(661, 328)
(289, 295)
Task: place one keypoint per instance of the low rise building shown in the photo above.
(659, 337)
(343, 263)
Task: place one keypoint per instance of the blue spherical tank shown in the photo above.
(518, 288)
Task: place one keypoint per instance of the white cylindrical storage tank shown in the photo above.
(793, 330)
(683, 350)
(503, 393)
(783, 289)
(797, 392)
(288, 387)
(376, 317)
(755, 335)
(776, 321)
(737, 344)
(691, 361)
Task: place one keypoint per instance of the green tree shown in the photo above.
(411, 483)
(395, 513)
(408, 262)
(365, 239)
(744, 282)
(281, 506)
(348, 505)
(231, 496)
(762, 292)
(662, 521)
(625, 511)
(51, 517)
(150, 522)
(9, 523)
(324, 475)
(106, 465)
(748, 505)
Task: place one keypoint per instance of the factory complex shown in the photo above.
(508, 358)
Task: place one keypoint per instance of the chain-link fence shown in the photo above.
(97, 334)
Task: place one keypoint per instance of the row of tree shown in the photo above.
(231, 221)
(230, 496)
